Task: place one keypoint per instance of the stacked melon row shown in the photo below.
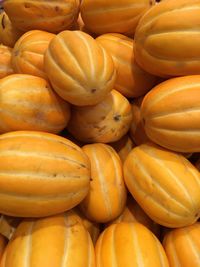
(100, 133)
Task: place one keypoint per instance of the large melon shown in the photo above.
(131, 245)
(165, 184)
(55, 241)
(167, 39)
(48, 15)
(132, 81)
(171, 114)
(28, 102)
(28, 52)
(106, 122)
(79, 69)
(182, 246)
(107, 196)
(41, 174)
(101, 16)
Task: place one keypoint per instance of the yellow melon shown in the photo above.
(41, 174)
(107, 196)
(182, 246)
(102, 16)
(48, 15)
(165, 184)
(129, 244)
(106, 122)
(54, 241)
(28, 53)
(131, 81)
(167, 39)
(79, 69)
(171, 114)
(28, 102)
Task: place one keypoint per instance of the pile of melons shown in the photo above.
(100, 133)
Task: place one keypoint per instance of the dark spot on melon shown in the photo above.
(26, 5)
(82, 165)
(152, 2)
(93, 91)
(117, 117)
(57, 9)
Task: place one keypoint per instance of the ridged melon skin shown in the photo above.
(130, 244)
(79, 69)
(28, 102)
(171, 114)
(131, 81)
(28, 53)
(107, 196)
(106, 122)
(41, 174)
(182, 246)
(167, 39)
(52, 241)
(165, 184)
(117, 16)
(134, 213)
(48, 15)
